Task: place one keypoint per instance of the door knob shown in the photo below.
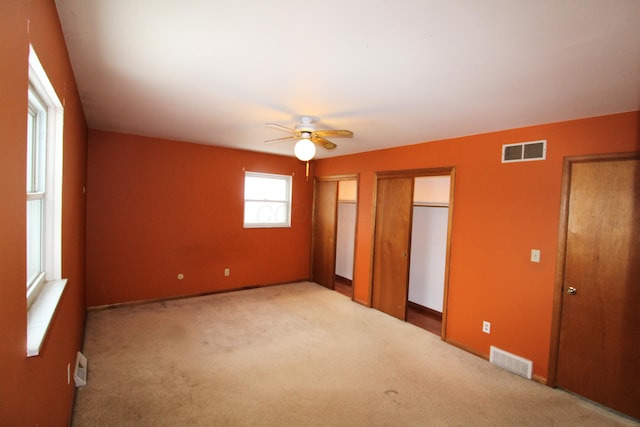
(572, 290)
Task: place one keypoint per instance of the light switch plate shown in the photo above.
(486, 327)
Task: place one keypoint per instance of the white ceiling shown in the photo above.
(394, 72)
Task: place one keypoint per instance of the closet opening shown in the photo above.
(346, 236)
(429, 236)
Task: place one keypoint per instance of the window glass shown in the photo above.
(267, 200)
(36, 143)
(265, 188)
(35, 241)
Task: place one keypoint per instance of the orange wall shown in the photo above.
(34, 391)
(157, 208)
(145, 225)
(501, 212)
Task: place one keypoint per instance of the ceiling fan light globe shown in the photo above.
(305, 150)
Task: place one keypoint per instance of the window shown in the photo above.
(36, 171)
(44, 285)
(267, 200)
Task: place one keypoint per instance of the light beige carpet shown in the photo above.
(298, 355)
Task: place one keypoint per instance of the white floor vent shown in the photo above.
(516, 364)
(80, 372)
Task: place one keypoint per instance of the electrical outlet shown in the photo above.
(486, 327)
(227, 272)
(535, 255)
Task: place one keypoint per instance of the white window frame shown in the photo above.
(44, 292)
(287, 201)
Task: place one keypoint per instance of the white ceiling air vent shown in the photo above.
(524, 151)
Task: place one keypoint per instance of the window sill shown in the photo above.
(267, 225)
(40, 314)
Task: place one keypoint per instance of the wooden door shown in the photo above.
(325, 212)
(394, 201)
(599, 343)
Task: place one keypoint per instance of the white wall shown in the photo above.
(429, 241)
(348, 190)
(432, 189)
(346, 228)
(428, 256)
(345, 239)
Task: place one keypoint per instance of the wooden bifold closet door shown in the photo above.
(324, 233)
(394, 207)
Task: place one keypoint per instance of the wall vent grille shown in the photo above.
(516, 364)
(80, 371)
(524, 151)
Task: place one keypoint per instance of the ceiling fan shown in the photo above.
(308, 137)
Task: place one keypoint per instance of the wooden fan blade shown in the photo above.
(279, 139)
(324, 143)
(283, 128)
(335, 133)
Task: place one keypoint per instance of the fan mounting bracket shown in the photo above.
(305, 125)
